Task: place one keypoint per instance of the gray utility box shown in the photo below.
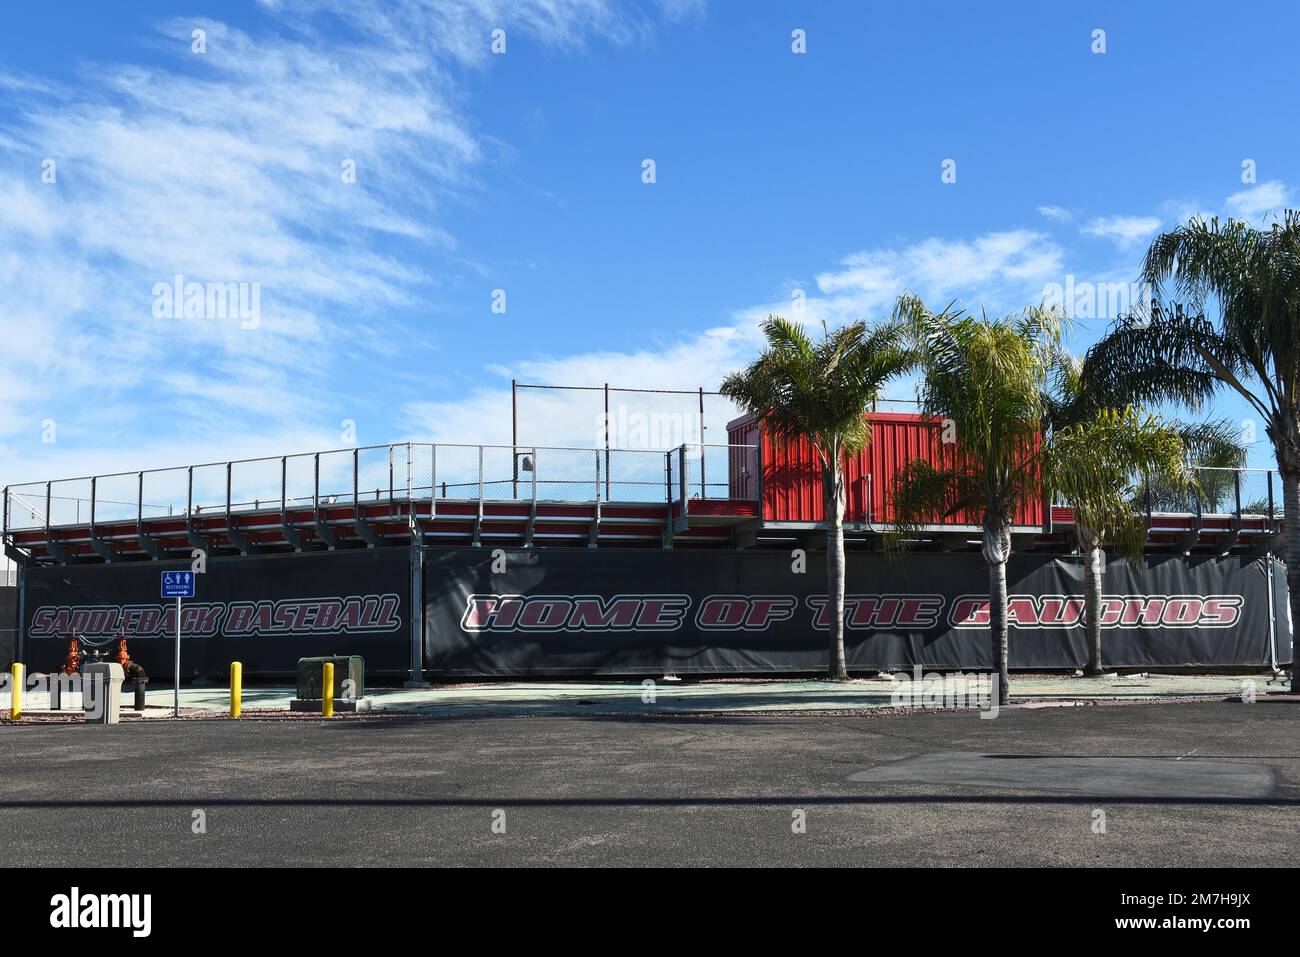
(101, 692)
(347, 697)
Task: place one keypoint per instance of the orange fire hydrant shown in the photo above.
(72, 663)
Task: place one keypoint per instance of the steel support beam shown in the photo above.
(101, 547)
(237, 538)
(745, 536)
(416, 676)
(154, 549)
(59, 553)
(287, 528)
(319, 519)
(358, 520)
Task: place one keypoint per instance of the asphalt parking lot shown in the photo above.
(1213, 783)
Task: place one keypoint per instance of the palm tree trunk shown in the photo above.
(1094, 569)
(997, 549)
(998, 625)
(1291, 548)
(833, 487)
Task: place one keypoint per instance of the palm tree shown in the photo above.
(822, 391)
(1099, 461)
(1112, 466)
(989, 381)
(1252, 346)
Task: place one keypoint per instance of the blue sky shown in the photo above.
(776, 173)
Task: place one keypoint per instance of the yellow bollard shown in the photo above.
(327, 690)
(16, 687)
(236, 688)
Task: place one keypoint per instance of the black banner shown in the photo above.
(715, 612)
(264, 611)
(490, 612)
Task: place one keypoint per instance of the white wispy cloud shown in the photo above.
(1252, 204)
(576, 419)
(994, 270)
(1057, 214)
(1002, 271)
(1124, 231)
(227, 166)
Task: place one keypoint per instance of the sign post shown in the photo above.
(177, 585)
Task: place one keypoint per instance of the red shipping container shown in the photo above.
(792, 484)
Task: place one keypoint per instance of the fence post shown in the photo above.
(1272, 521)
(1236, 488)
(1272, 614)
(681, 468)
(606, 450)
(415, 677)
(668, 499)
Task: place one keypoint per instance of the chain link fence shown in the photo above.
(497, 473)
(1251, 493)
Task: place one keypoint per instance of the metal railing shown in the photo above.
(401, 471)
(1238, 493)
(494, 473)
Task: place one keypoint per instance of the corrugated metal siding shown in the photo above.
(792, 490)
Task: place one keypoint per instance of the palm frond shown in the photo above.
(1100, 464)
(820, 390)
(988, 382)
(1251, 279)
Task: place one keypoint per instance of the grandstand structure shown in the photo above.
(744, 494)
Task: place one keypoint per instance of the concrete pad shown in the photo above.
(317, 705)
(663, 793)
(1100, 777)
(751, 696)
